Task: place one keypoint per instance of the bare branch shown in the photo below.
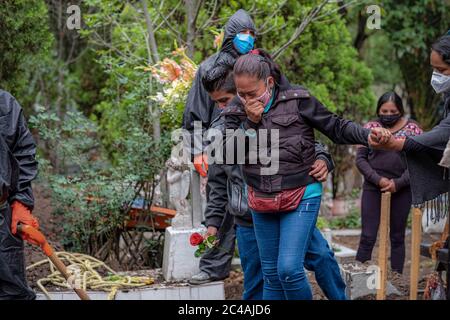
(98, 40)
(73, 44)
(147, 45)
(166, 18)
(72, 60)
(252, 8)
(299, 30)
(168, 24)
(274, 27)
(348, 4)
(254, 11)
(197, 9)
(213, 12)
(124, 34)
(269, 18)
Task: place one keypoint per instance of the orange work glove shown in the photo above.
(21, 214)
(201, 164)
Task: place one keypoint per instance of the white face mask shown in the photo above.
(440, 82)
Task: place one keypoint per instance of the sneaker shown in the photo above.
(200, 278)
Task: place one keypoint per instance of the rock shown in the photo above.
(361, 282)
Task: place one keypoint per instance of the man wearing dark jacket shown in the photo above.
(238, 39)
(18, 168)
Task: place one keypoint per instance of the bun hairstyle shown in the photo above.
(257, 63)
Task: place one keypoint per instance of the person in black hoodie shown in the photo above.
(228, 200)
(18, 168)
(239, 37)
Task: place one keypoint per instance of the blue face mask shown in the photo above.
(243, 43)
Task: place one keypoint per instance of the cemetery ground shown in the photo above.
(51, 227)
(233, 285)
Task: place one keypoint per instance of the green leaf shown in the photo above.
(198, 253)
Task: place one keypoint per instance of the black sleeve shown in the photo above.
(199, 107)
(339, 130)
(435, 139)
(234, 118)
(323, 154)
(412, 146)
(24, 150)
(364, 166)
(218, 196)
(235, 134)
(403, 181)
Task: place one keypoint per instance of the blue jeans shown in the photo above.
(250, 262)
(320, 259)
(283, 241)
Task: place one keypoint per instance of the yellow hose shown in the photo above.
(89, 278)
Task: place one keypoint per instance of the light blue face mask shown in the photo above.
(243, 42)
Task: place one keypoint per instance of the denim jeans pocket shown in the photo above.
(310, 205)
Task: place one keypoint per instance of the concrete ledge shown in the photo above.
(346, 232)
(184, 291)
(343, 252)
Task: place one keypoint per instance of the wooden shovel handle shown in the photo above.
(39, 239)
(62, 268)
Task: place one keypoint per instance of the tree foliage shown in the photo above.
(24, 40)
(106, 116)
(412, 27)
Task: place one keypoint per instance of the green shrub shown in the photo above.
(93, 196)
(322, 223)
(351, 221)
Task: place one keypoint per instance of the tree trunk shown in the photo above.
(153, 57)
(361, 35)
(192, 7)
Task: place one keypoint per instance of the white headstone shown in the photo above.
(185, 195)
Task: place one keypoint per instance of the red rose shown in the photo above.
(196, 238)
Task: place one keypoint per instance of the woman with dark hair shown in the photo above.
(284, 202)
(429, 181)
(386, 171)
(228, 196)
(429, 177)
